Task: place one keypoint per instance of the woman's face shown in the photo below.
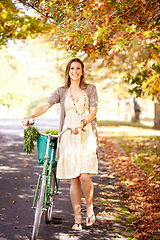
(75, 71)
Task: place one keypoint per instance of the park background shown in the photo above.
(32, 70)
(119, 43)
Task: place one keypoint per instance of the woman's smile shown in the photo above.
(75, 71)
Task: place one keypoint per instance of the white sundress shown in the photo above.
(77, 152)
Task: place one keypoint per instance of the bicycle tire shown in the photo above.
(39, 209)
(49, 208)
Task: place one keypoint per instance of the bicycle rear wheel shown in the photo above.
(49, 208)
(39, 209)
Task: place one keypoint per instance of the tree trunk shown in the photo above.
(157, 115)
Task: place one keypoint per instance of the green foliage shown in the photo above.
(145, 82)
(136, 81)
(15, 24)
(156, 67)
(99, 27)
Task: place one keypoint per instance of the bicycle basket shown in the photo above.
(41, 145)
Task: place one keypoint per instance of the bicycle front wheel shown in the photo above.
(39, 209)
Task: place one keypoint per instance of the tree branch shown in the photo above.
(153, 17)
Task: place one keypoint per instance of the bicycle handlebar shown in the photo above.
(32, 122)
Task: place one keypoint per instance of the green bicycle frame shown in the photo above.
(47, 170)
(49, 178)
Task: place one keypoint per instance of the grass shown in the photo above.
(140, 141)
(122, 123)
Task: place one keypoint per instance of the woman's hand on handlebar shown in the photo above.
(81, 126)
(25, 122)
(75, 130)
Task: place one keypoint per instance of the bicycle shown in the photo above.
(47, 184)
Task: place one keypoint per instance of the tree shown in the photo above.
(102, 29)
(105, 29)
(15, 24)
(147, 82)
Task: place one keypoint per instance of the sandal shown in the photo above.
(77, 226)
(88, 220)
(78, 223)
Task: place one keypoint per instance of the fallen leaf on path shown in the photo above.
(23, 161)
(29, 226)
(103, 213)
(110, 228)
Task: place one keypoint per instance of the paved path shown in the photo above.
(18, 171)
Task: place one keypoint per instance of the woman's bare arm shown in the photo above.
(92, 115)
(37, 112)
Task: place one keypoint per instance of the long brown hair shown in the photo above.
(67, 82)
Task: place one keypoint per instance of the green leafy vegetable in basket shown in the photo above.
(53, 132)
(31, 134)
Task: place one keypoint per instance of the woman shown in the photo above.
(76, 152)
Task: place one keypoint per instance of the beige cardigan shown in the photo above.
(59, 96)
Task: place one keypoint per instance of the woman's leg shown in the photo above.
(87, 188)
(75, 194)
